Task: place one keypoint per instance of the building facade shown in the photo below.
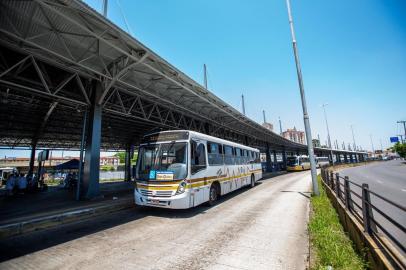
(53, 161)
(268, 126)
(294, 135)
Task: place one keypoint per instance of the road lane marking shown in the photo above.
(379, 181)
(404, 189)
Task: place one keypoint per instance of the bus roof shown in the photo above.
(193, 134)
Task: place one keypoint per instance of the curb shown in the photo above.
(47, 222)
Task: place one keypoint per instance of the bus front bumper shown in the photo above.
(294, 168)
(180, 201)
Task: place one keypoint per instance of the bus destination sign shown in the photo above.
(166, 136)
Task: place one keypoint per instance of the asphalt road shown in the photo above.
(260, 228)
(388, 179)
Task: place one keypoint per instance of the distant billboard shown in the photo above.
(394, 139)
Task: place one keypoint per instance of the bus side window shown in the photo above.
(228, 155)
(198, 159)
(215, 155)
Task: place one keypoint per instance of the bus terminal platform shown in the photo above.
(31, 212)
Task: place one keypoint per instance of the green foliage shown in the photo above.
(332, 246)
(107, 168)
(121, 156)
(400, 148)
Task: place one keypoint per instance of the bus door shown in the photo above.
(198, 170)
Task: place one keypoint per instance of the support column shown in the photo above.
(268, 159)
(284, 159)
(128, 157)
(275, 161)
(32, 158)
(351, 158)
(93, 141)
(345, 158)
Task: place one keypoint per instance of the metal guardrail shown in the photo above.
(345, 189)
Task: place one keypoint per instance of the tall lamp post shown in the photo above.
(328, 132)
(353, 138)
(304, 105)
(372, 145)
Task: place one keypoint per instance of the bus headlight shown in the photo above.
(181, 188)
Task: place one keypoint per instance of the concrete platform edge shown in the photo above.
(47, 222)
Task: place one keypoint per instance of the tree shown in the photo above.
(400, 148)
(121, 156)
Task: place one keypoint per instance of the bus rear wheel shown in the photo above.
(213, 195)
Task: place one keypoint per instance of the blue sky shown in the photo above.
(353, 57)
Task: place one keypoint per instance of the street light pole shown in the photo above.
(205, 75)
(105, 4)
(304, 106)
(372, 144)
(353, 137)
(328, 131)
(404, 126)
(243, 104)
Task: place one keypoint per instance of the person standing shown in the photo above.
(11, 184)
(22, 183)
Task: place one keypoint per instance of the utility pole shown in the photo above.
(304, 106)
(205, 76)
(105, 4)
(263, 112)
(328, 132)
(404, 127)
(353, 137)
(380, 141)
(401, 138)
(372, 144)
(280, 126)
(243, 104)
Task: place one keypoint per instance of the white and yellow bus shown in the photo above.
(182, 169)
(297, 163)
(322, 161)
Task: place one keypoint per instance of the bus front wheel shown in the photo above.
(213, 195)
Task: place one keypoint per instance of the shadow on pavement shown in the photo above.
(17, 246)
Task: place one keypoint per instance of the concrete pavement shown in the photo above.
(260, 228)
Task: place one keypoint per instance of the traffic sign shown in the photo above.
(394, 139)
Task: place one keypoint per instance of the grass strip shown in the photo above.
(330, 244)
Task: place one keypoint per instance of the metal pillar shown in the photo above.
(345, 158)
(284, 159)
(93, 140)
(128, 158)
(32, 158)
(275, 161)
(82, 145)
(268, 159)
(351, 158)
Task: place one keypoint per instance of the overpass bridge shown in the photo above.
(67, 72)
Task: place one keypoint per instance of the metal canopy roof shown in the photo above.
(53, 51)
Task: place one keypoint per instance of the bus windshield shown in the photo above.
(164, 161)
(291, 161)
